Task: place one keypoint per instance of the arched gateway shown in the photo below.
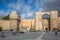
(46, 20)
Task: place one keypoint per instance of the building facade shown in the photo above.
(43, 21)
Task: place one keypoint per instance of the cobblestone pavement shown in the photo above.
(19, 36)
(51, 36)
(32, 36)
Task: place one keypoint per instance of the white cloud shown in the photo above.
(20, 4)
(30, 1)
(26, 9)
(15, 6)
(29, 14)
(38, 4)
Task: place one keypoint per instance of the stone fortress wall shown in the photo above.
(39, 23)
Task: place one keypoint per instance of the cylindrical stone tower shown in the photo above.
(14, 21)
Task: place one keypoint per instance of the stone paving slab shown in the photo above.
(25, 36)
(32, 36)
(39, 38)
(51, 36)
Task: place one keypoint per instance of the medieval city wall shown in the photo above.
(5, 24)
(27, 23)
(59, 23)
(38, 23)
(53, 19)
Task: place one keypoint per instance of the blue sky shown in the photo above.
(27, 8)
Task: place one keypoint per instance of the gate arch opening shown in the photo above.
(46, 22)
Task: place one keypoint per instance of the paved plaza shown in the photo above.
(31, 36)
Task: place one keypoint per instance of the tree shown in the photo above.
(5, 17)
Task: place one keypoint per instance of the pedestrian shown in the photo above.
(56, 32)
(27, 29)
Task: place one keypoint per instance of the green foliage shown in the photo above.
(5, 17)
(0, 29)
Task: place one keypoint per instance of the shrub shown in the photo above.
(0, 29)
(32, 30)
(22, 32)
